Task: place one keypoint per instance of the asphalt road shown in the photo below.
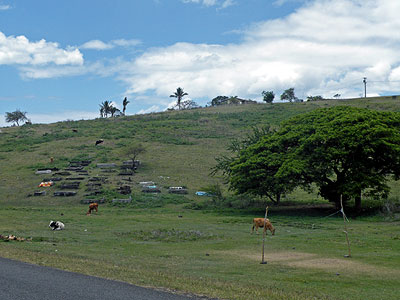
(23, 281)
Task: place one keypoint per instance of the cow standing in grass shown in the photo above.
(259, 222)
(92, 207)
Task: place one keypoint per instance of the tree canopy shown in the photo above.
(289, 95)
(268, 96)
(16, 117)
(343, 151)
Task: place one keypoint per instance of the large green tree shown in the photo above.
(242, 167)
(268, 96)
(343, 151)
(289, 95)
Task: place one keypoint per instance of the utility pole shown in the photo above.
(365, 87)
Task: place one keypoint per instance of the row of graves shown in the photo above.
(69, 181)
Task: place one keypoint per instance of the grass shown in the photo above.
(213, 253)
(208, 251)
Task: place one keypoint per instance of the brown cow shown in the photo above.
(92, 206)
(259, 222)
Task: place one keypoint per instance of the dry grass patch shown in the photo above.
(313, 261)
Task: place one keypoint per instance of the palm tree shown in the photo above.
(179, 94)
(124, 103)
(114, 110)
(105, 108)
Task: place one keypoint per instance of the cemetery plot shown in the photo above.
(89, 201)
(177, 190)
(64, 194)
(71, 185)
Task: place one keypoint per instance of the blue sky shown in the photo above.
(60, 59)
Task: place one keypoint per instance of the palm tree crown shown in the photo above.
(179, 94)
(124, 103)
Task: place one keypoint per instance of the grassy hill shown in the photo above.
(158, 241)
(180, 145)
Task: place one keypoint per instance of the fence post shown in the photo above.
(263, 262)
(345, 227)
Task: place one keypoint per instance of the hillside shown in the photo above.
(160, 240)
(180, 146)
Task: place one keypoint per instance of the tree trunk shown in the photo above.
(278, 198)
(357, 204)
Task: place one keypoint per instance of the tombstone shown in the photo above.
(71, 185)
(108, 170)
(82, 163)
(126, 172)
(52, 179)
(89, 201)
(94, 184)
(122, 200)
(43, 193)
(75, 178)
(98, 179)
(75, 169)
(62, 173)
(125, 190)
(201, 193)
(40, 172)
(151, 189)
(94, 193)
(64, 194)
(146, 183)
(106, 166)
(86, 162)
(177, 190)
(51, 169)
(93, 189)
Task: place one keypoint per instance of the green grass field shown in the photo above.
(210, 251)
(213, 253)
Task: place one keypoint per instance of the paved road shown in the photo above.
(22, 281)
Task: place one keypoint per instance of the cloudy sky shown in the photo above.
(60, 59)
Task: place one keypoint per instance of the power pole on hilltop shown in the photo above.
(365, 87)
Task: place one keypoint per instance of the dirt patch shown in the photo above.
(313, 261)
(342, 266)
(286, 256)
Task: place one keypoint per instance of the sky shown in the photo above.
(59, 60)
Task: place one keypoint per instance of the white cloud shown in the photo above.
(154, 108)
(5, 7)
(100, 45)
(282, 2)
(227, 3)
(326, 47)
(19, 50)
(96, 45)
(221, 3)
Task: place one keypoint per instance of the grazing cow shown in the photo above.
(259, 222)
(99, 142)
(92, 206)
(56, 225)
